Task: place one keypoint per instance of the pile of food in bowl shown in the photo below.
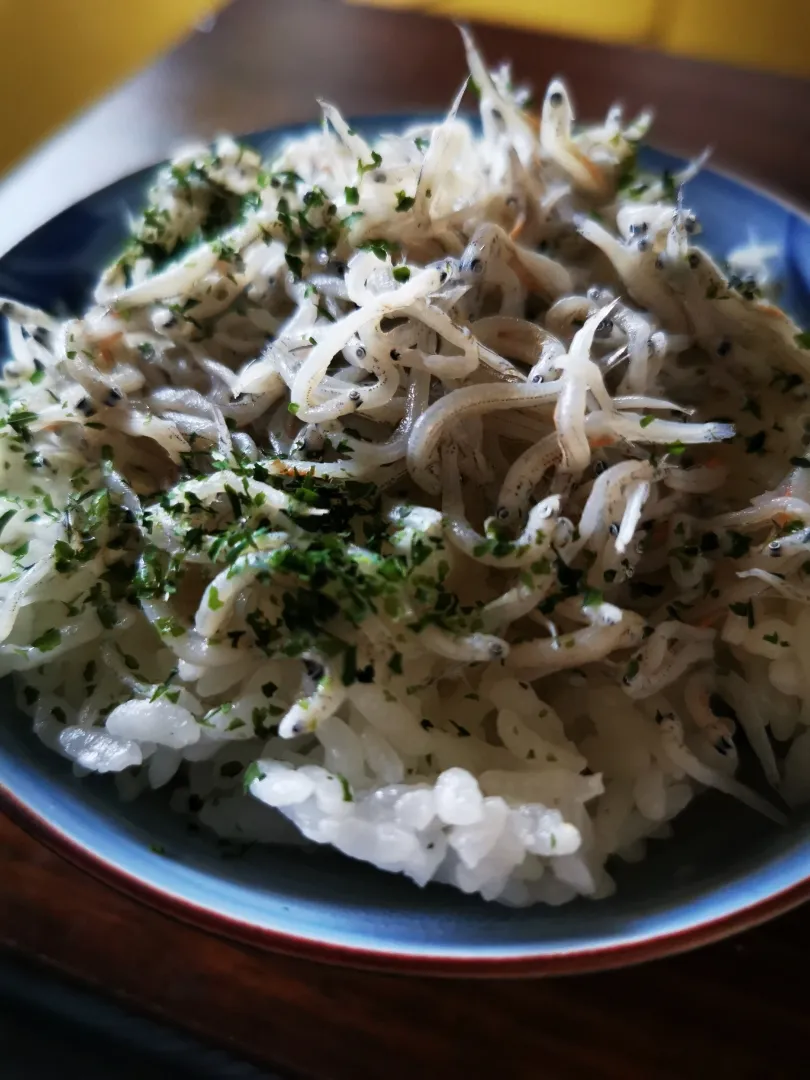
(440, 500)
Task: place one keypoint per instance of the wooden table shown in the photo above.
(737, 1009)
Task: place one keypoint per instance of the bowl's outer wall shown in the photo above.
(723, 862)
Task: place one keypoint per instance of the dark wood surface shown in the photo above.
(737, 1009)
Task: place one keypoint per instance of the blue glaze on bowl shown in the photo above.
(723, 861)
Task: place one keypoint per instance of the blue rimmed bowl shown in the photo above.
(724, 870)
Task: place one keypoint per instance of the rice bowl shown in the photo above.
(521, 801)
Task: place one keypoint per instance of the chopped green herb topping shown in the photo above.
(48, 641)
(252, 772)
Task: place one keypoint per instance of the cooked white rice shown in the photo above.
(438, 497)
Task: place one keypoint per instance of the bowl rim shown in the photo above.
(576, 961)
(603, 957)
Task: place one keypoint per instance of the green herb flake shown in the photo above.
(709, 542)
(631, 670)
(296, 265)
(352, 196)
(6, 518)
(668, 186)
(740, 544)
(348, 796)
(349, 673)
(252, 772)
(401, 273)
(376, 161)
(314, 198)
(803, 339)
(592, 598)
(214, 602)
(48, 641)
(645, 421)
(381, 248)
(404, 202)
(351, 219)
(745, 610)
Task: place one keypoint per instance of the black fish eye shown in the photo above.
(477, 266)
(556, 99)
(694, 261)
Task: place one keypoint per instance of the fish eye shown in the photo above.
(477, 266)
(694, 260)
(556, 99)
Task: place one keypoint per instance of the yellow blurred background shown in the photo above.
(768, 34)
(60, 55)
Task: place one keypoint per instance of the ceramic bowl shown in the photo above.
(725, 868)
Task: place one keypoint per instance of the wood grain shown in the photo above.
(735, 1009)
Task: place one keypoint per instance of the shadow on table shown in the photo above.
(49, 1028)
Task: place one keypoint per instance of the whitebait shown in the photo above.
(355, 448)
